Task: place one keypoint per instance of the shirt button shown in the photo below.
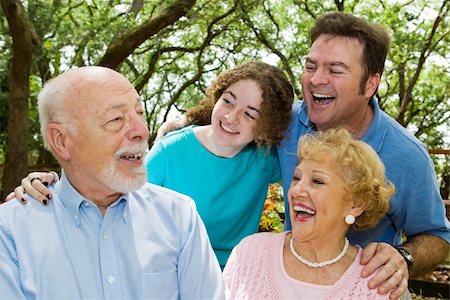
(111, 279)
(105, 236)
(75, 217)
(86, 204)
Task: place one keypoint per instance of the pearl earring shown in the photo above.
(349, 219)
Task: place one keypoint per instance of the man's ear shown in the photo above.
(57, 136)
(372, 84)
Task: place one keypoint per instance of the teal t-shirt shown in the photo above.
(229, 192)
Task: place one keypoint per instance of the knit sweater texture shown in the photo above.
(255, 270)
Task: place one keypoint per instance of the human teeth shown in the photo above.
(322, 99)
(319, 97)
(304, 209)
(322, 95)
(132, 157)
(228, 129)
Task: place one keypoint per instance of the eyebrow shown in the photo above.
(333, 63)
(234, 96)
(314, 171)
(231, 93)
(320, 172)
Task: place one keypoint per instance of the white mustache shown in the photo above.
(138, 149)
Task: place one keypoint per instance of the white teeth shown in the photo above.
(228, 129)
(303, 209)
(321, 95)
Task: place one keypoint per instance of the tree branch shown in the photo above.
(124, 45)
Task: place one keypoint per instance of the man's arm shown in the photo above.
(9, 269)
(199, 273)
(9, 283)
(427, 251)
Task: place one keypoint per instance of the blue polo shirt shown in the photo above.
(416, 208)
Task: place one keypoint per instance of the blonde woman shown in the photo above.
(339, 183)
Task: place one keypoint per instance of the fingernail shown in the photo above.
(45, 202)
(23, 200)
(45, 183)
(49, 197)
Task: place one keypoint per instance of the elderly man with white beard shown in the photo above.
(108, 234)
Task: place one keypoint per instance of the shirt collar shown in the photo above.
(72, 200)
(376, 132)
(374, 135)
(123, 201)
(303, 116)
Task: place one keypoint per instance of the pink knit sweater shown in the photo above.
(255, 270)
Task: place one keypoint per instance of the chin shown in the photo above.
(131, 181)
(126, 185)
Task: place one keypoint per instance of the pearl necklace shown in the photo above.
(319, 264)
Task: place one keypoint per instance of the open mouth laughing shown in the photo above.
(302, 212)
(322, 99)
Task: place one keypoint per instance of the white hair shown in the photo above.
(52, 108)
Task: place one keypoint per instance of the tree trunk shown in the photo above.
(124, 45)
(16, 156)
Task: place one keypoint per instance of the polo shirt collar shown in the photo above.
(303, 116)
(375, 134)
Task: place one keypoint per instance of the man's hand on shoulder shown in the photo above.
(392, 271)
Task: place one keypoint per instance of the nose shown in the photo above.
(232, 117)
(138, 128)
(298, 188)
(319, 77)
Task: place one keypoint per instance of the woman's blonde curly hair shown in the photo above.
(361, 168)
(277, 96)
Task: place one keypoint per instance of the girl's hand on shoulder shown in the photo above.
(35, 185)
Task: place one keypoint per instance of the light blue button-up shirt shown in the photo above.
(150, 244)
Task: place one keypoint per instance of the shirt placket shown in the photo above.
(108, 256)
